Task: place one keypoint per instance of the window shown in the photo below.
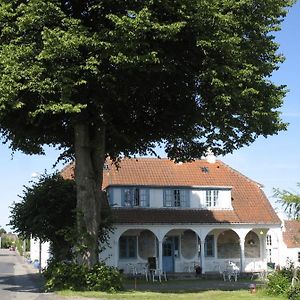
(212, 198)
(127, 246)
(269, 255)
(135, 197)
(176, 198)
(109, 196)
(269, 240)
(209, 246)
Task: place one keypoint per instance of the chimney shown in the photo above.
(210, 157)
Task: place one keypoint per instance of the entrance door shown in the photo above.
(168, 255)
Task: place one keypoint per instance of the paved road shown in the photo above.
(19, 280)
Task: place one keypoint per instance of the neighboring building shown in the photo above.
(184, 214)
(39, 252)
(284, 244)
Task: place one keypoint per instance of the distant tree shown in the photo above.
(2, 230)
(6, 242)
(290, 201)
(102, 78)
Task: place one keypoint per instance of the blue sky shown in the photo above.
(273, 162)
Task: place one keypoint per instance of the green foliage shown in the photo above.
(290, 201)
(6, 242)
(103, 278)
(294, 292)
(19, 246)
(279, 282)
(42, 213)
(189, 74)
(65, 275)
(101, 78)
(2, 230)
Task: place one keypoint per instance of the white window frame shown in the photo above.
(135, 197)
(175, 198)
(212, 198)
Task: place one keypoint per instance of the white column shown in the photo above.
(263, 250)
(160, 253)
(116, 252)
(202, 241)
(242, 247)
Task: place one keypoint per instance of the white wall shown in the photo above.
(280, 253)
(197, 198)
(156, 198)
(35, 252)
(292, 255)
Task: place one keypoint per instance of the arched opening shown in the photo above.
(135, 247)
(252, 245)
(189, 244)
(146, 244)
(228, 245)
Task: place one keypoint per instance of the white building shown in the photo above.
(39, 252)
(284, 245)
(185, 214)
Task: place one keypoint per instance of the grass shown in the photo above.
(200, 295)
(184, 289)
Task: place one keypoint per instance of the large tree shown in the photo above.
(102, 78)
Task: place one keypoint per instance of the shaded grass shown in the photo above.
(200, 295)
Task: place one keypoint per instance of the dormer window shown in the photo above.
(135, 196)
(212, 197)
(176, 198)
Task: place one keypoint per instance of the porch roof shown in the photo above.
(177, 216)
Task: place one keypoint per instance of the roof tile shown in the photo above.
(248, 200)
(291, 235)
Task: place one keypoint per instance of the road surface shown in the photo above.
(19, 280)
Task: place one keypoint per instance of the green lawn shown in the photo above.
(201, 295)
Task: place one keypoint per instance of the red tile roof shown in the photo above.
(291, 235)
(249, 202)
(173, 215)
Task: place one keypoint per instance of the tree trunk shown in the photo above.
(90, 156)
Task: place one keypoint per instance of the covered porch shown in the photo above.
(184, 248)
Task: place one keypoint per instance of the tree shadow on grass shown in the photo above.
(186, 286)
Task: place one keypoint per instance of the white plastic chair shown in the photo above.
(157, 274)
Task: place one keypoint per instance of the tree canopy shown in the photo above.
(47, 211)
(290, 201)
(102, 78)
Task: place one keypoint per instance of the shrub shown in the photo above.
(104, 278)
(64, 275)
(294, 292)
(278, 283)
